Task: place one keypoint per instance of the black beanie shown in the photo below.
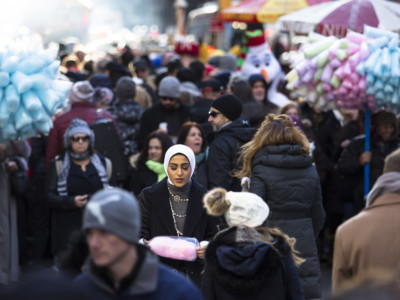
(229, 105)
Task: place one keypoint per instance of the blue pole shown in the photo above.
(367, 148)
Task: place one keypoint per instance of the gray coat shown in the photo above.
(289, 183)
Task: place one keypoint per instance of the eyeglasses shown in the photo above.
(80, 138)
(213, 113)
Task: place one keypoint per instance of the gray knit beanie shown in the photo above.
(77, 126)
(125, 89)
(169, 88)
(81, 91)
(229, 105)
(116, 211)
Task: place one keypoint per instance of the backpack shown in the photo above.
(108, 143)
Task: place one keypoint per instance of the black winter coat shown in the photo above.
(65, 216)
(249, 269)
(224, 153)
(350, 167)
(289, 183)
(140, 178)
(153, 116)
(157, 221)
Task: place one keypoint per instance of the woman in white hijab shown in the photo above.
(174, 207)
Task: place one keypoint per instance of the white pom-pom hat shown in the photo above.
(239, 208)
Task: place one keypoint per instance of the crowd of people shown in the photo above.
(139, 152)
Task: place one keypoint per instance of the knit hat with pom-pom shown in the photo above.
(239, 208)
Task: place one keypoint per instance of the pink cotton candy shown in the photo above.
(174, 248)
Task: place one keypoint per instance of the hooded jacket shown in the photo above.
(289, 183)
(224, 152)
(239, 266)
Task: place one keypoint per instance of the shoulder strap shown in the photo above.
(108, 167)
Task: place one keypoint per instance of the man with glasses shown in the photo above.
(166, 116)
(231, 132)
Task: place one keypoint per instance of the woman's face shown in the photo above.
(80, 143)
(258, 91)
(155, 150)
(194, 140)
(293, 111)
(179, 170)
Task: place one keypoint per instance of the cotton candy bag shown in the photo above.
(180, 248)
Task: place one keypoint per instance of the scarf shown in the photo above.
(387, 183)
(157, 168)
(63, 176)
(200, 157)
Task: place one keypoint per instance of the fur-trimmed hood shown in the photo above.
(240, 262)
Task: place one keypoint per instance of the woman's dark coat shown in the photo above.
(140, 178)
(240, 267)
(157, 221)
(289, 183)
(65, 216)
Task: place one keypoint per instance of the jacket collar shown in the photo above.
(145, 282)
(385, 200)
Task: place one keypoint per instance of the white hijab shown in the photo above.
(179, 149)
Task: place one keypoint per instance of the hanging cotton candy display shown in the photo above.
(359, 70)
(29, 91)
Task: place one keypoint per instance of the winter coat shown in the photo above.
(141, 177)
(81, 110)
(153, 116)
(349, 164)
(289, 183)
(153, 281)
(65, 216)
(157, 221)
(240, 267)
(224, 152)
(9, 258)
(127, 114)
(377, 243)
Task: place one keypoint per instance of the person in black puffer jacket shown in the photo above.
(231, 133)
(282, 172)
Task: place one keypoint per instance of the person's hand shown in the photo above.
(201, 251)
(81, 201)
(345, 143)
(11, 166)
(365, 158)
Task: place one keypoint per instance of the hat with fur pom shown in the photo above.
(239, 208)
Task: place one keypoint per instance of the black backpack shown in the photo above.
(108, 143)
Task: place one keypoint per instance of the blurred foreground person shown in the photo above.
(13, 157)
(249, 260)
(120, 268)
(355, 257)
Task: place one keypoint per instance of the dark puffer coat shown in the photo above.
(289, 183)
(240, 267)
(224, 152)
